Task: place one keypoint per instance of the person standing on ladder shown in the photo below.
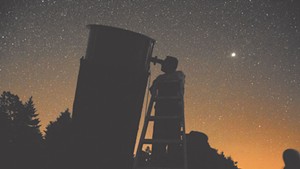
(168, 85)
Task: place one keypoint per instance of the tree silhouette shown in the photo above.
(8, 106)
(21, 139)
(28, 125)
(22, 145)
(31, 137)
(57, 141)
(202, 156)
(31, 118)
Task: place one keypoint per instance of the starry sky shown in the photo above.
(246, 102)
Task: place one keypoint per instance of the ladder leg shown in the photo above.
(143, 134)
(185, 162)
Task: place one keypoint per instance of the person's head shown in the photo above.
(291, 158)
(169, 65)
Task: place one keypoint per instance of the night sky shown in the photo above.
(241, 59)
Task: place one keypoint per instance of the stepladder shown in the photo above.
(166, 145)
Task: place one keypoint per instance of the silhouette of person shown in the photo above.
(291, 159)
(169, 66)
(169, 84)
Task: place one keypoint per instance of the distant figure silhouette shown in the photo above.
(291, 159)
(169, 84)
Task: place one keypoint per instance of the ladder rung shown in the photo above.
(152, 141)
(168, 97)
(152, 118)
(157, 168)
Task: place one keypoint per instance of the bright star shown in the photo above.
(233, 54)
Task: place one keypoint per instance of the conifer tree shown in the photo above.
(21, 139)
(32, 122)
(57, 141)
(58, 131)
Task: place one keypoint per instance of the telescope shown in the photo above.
(109, 97)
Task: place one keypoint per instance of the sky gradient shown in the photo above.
(247, 104)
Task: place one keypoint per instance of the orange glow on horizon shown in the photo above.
(247, 129)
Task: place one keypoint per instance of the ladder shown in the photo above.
(154, 118)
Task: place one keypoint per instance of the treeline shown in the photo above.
(200, 155)
(22, 145)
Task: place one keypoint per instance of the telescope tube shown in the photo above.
(109, 97)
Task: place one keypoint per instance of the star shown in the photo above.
(233, 54)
